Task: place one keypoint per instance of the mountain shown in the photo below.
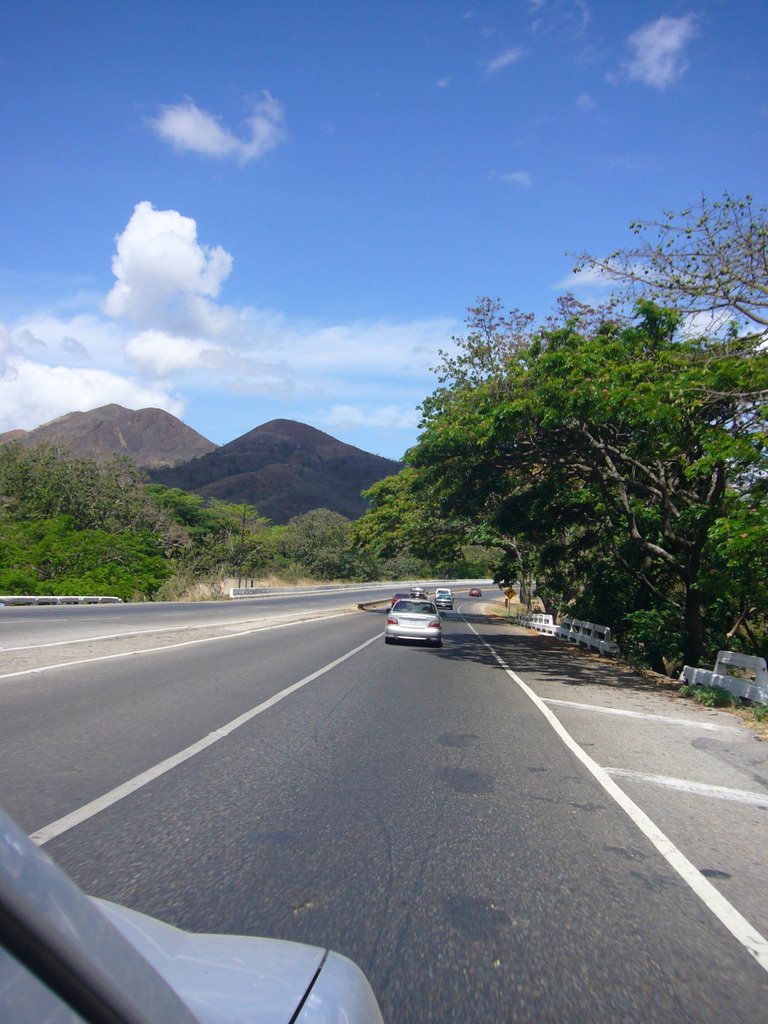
(283, 468)
(151, 437)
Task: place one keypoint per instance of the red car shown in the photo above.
(475, 592)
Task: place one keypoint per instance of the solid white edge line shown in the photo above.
(741, 929)
(169, 647)
(69, 821)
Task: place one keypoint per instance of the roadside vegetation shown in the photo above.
(77, 526)
(615, 456)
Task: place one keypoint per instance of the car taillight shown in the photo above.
(434, 624)
(391, 620)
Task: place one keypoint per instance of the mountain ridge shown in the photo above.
(283, 467)
(151, 437)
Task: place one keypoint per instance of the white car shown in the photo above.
(444, 597)
(66, 958)
(414, 619)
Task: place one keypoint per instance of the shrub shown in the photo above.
(709, 696)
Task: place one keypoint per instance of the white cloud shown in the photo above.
(504, 59)
(74, 347)
(585, 103)
(34, 393)
(658, 59)
(157, 354)
(521, 178)
(190, 129)
(160, 355)
(162, 333)
(8, 349)
(165, 278)
(590, 277)
(343, 417)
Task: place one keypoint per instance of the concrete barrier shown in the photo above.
(753, 685)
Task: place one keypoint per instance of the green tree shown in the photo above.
(322, 543)
(628, 436)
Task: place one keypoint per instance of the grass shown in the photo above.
(754, 715)
(709, 696)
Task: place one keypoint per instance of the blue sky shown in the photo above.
(247, 210)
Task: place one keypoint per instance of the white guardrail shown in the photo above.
(753, 685)
(36, 599)
(575, 631)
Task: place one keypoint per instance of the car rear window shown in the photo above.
(422, 607)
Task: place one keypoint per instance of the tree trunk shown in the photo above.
(694, 637)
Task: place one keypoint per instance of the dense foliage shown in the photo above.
(77, 526)
(621, 465)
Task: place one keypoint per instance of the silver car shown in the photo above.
(414, 619)
(66, 958)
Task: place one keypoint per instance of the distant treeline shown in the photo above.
(73, 525)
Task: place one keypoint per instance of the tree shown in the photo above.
(711, 259)
(322, 543)
(626, 437)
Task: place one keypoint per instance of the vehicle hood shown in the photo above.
(230, 979)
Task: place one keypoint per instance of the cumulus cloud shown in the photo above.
(658, 59)
(504, 59)
(190, 129)
(165, 277)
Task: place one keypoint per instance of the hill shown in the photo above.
(283, 468)
(151, 437)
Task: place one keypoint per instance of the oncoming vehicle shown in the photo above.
(443, 597)
(413, 619)
(475, 592)
(66, 958)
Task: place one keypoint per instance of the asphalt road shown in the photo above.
(411, 808)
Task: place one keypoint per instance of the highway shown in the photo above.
(264, 772)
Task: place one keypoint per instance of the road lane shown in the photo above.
(68, 736)
(413, 810)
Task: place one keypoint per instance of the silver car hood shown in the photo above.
(230, 979)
